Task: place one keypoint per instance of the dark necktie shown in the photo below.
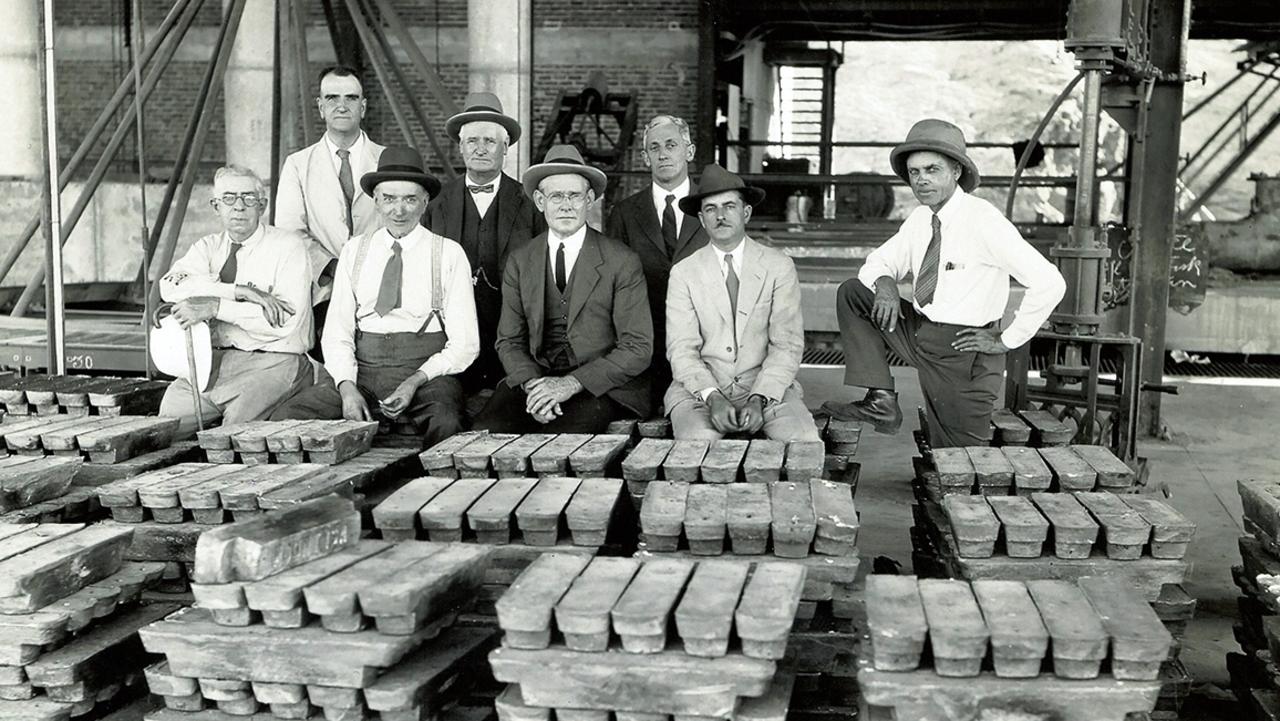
(229, 267)
(669, 227)
(731, 282)
(389, 291)
(488, 188)
(560, 279)
(348, 187)
(927, 280)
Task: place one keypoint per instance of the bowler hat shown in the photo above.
(482, 107)
(400, 162)
(563, 159)
(716, 179)
(937, 136)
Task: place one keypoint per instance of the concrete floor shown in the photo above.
(1219, 431)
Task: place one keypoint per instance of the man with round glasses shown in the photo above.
(317, 193)
(252, 284)
(488, 214)
(575, 337)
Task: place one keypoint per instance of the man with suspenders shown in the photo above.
(402, 320)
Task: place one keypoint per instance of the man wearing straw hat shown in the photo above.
(402, 322)
(575, 336)
(962, 253)
(317, 195)
(252, 284)
(488, 214)
(734, 330)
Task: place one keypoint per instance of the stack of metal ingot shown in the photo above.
(69, 620)
(1255, 677)
(1089, 650)
(294, 612)
(1061, 512)
(647, 639)
(523, 495)
(80, 395)
(255, 467)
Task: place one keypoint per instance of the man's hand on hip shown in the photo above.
(551, 392)
(724, 417)
(274, 309)
(195, 310)
(353, 406)
(887, 308)
(979, 340)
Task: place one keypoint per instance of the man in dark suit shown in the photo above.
(487, 213)
(651, 223)
(575, 336)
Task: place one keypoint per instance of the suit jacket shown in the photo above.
(518, 218)
(636, 222)
(700, 334)
(610, 331)
(309, 199)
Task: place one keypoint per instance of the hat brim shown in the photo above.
(533, 176)
(453, 126)
(751, 195)
(369, 181)
(969, 176)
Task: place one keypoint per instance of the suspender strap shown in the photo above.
(437, 283)
(362, 249)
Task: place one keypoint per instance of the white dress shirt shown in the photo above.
(572, 246)
(660, 201)
(980, 250)
(353, 302)
(356, 159)
(271, 259)
(483, 201)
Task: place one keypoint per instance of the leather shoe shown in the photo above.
(879, 408)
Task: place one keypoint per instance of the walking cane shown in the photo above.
(192, 376)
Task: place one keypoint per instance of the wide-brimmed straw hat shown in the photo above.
(936, 136)
(563, 159)
(716, 179)
(400, 162)
(482, 107)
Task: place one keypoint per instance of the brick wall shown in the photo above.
(79, 13)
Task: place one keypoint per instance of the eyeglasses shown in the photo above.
(250, 200)
(336, 100)
(560, 198)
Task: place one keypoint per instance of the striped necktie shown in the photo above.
(927, 280)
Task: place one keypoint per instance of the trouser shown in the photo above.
(787, 420)
(960, 387)
(384, 360)
(319, 312)
(583, 413)
(486, 370)
(243, 386)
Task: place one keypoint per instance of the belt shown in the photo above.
(993, 325)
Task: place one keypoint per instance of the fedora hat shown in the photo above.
(716, 179)
(563, 159)
(936, 136)
(400, 162)
(482, 107)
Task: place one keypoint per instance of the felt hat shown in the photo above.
(482, 107)
(715, 179)
(936, 136)
(400, 162)
(563, 159)
(169, 351)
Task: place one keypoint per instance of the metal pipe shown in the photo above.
(1231, 168)
(94, 180)
(54, 311)
(141, 146)
(164, 252)
(1035, 137)
(1244, 104)
(91, 137)
(298, 28)
(1214, 95)
(1092, 113)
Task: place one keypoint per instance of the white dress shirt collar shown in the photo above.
(952, 207)
(483, 201)
(357, 151)
(737, 254)
(411, 239)
(253, 238)
(660, 200)
(572, 247)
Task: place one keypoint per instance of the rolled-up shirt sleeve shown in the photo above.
(461, 326)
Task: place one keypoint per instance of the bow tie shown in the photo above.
(481, 188)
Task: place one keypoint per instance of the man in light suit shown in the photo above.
(317, 193)
(488, 214)
(651, 224)
(734, 331)
(575, 336)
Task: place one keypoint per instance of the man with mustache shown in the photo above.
(402, 322)
(734, 330)
(962, 253)
(252, 284)
(575, 336)
(488, 214)
(651, 223)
